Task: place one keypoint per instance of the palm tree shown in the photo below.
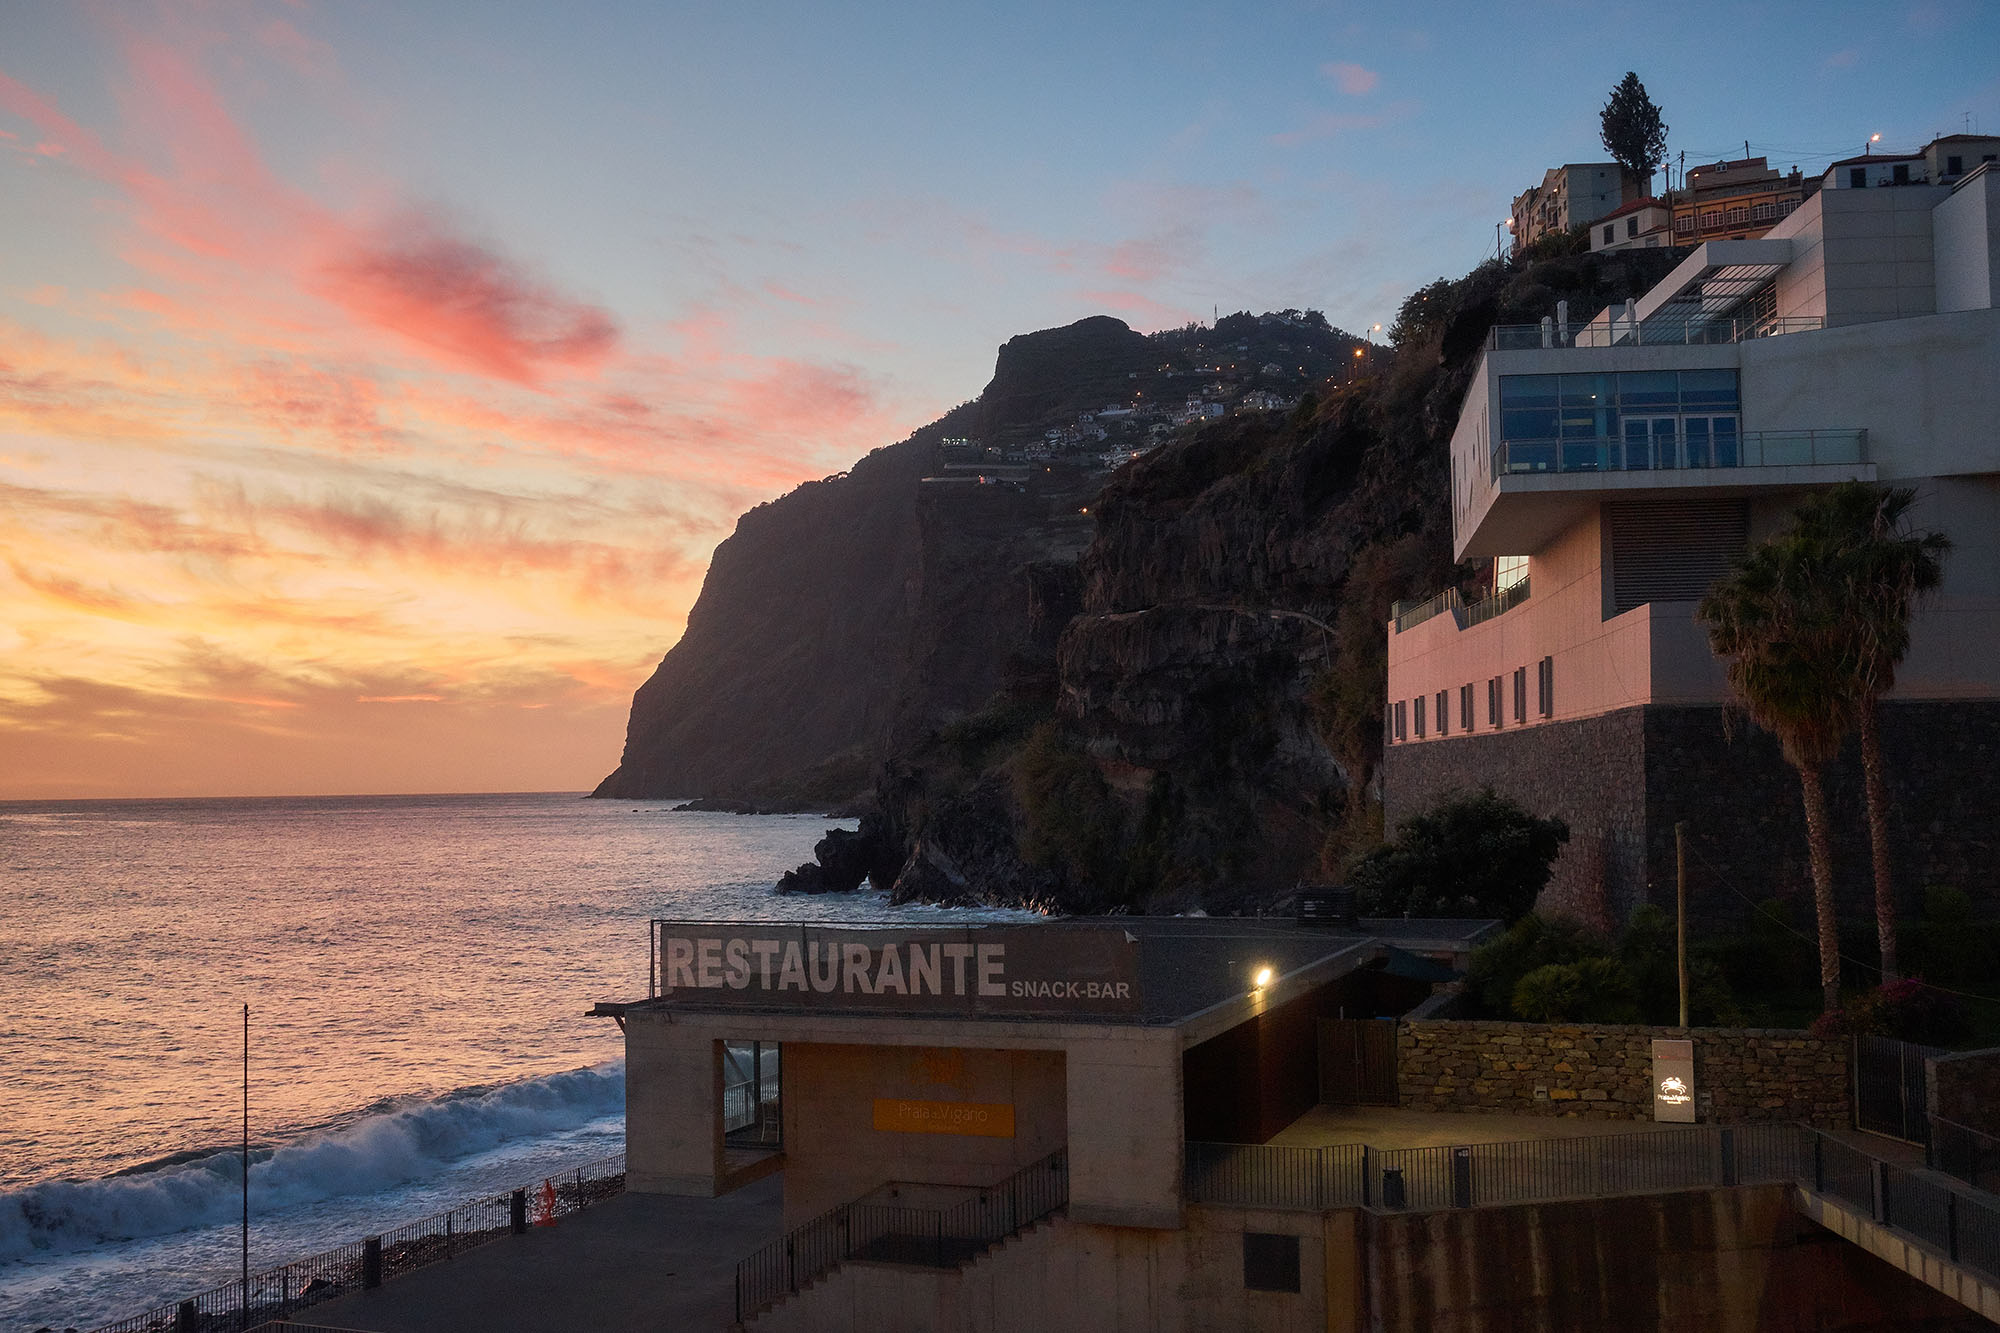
(1855, 537)
(1783, 639)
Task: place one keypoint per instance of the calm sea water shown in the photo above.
(417, 970)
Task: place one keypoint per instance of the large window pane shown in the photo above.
(1648, 388)
(1537, 424)
(1708, 390)
(1520, 391)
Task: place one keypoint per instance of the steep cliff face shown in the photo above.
(786, 675)
(849, 617)
(1166, 702)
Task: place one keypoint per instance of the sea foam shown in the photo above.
(374, 1152)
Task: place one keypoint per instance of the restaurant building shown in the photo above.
(961, 1087)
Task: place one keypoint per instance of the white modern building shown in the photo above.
(1611, 471)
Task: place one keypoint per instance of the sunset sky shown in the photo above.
(376, 379)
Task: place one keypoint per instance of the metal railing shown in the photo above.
(277, 1292)
(1409, 615)
(1504, 600)
(1764, 448)
(1656, 332)
(930, 1237)
(1470, 1175)
(1962, 1151)
(1961, 1225)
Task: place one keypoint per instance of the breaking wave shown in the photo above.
(379, 1149)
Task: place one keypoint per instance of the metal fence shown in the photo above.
(276, 1292)
(932, 1237)
(1962, 1151)
(1680, 451)
(1963, 1226)
(1469, 1175)
(1656, 332)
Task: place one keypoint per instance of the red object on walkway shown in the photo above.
(545, 1205)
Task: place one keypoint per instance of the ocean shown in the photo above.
(417, 970)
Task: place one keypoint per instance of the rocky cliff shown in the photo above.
(847, 618)
(1172, 701)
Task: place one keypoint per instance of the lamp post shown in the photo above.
(1501, 230)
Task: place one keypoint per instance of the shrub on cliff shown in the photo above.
(1071, 823)
(1468, 856)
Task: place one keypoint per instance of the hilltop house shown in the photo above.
(1611, 471)
(1571, 194)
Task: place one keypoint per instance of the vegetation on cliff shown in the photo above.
(1183, 709)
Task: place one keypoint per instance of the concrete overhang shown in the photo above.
(1521, 515)
(1709, 283)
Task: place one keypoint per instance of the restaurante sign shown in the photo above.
(995, 969)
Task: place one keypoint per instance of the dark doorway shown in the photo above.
(1357, 1061)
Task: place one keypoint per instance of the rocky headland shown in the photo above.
(1094, 684)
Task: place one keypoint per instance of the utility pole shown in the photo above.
(1681, 921)
(246, 1158)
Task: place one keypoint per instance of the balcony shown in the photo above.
(1656, 332)
(1408, 615)
(1750, 449)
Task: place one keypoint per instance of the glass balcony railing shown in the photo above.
(1655, 332)
(1671, 453)
(1408, 615)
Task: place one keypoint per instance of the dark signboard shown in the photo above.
(1045, 970)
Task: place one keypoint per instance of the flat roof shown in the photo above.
(1185, 966)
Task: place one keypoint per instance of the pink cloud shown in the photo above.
(1352, 79)
(468, 303)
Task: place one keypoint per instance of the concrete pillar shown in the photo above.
(673, 1107)
(1125, 1129)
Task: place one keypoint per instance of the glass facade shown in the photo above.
(1619, 420)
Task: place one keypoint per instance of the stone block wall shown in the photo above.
(1965, 1087)
(1621, 781)
(1590, 772)
(1604, 1072)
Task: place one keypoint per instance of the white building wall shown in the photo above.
(1966, 242)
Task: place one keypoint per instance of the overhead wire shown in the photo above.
(1783, 924)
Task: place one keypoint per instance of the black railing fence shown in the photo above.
(932, 1237)
(1960, 1150)
(1467, 1175)
(1962, 1225)
(276, 1292)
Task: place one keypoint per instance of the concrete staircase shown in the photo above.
(999, 1289)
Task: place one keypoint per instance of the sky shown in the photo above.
(376, 379)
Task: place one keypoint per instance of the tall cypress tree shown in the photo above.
(1633, 132)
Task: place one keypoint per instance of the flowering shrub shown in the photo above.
(1905, 1008)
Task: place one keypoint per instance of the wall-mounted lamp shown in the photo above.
(1265, 976)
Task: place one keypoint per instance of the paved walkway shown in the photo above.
(637, 1262)
(1388, 1127)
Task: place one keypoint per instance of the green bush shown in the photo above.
(1534, 941)
(1470, 856)
(1596, 990)
(1072, 823)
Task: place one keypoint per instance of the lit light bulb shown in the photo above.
(1264, 977)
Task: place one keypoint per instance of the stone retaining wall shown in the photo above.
(1604, 1072)
(1965, 1087)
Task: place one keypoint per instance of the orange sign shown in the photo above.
(993, 1120)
